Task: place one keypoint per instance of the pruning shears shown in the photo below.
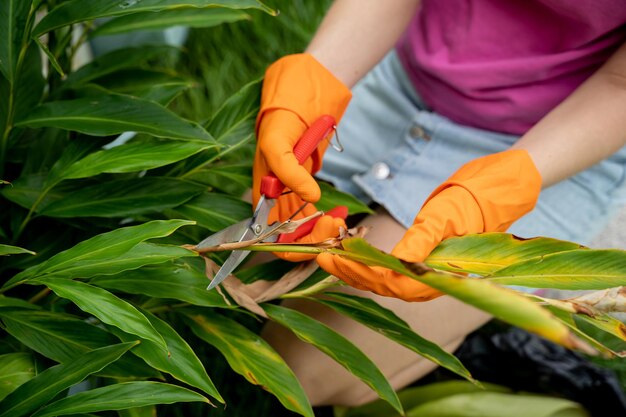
(271, 189)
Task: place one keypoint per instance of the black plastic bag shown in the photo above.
(525, 362)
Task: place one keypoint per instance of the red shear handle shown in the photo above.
(306, 228)
(271, 186)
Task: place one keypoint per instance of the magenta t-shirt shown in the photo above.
(501, 65)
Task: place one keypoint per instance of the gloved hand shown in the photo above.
(297, 90)
(485, 195)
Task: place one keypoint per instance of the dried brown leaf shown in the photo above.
(238, 291)
(288, 282)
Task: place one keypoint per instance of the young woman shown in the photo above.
(486, 114)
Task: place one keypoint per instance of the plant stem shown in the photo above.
(41, 294)
(163, 309)
(4, 136)
(32, 210)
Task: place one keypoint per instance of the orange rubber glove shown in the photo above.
(297, 90)
(485, 195)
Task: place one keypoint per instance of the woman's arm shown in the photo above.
(585, 128)
(356, 34)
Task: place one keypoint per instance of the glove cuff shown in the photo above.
(300, 84)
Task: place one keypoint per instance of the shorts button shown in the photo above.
(417, 132)
(381, 170)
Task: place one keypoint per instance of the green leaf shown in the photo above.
(140, 255)
(63, 338)
(493, 404)
(487, 252)
(123, 198)
(11, 303)
(114, 114)
(13, 250)
(581, 269)
(13, 18)
(331, 197)
(251, 357)
(502, 303)
(178, 282)
(120, 397)
(215, 211)
(152, 85)
(57, 336)
(190, 17)
(29, 83)
(233, 179)
(147, 411)
(114, 61)
(15, 369)
(337, 347)
(232, 126)
(74, 11)
(385, 322)
(179, 360)
(106, 246)
(31, 395)
(133, 157)
(237, 115)
(54, 63)
(106, 307)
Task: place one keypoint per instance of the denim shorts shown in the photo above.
(396, 151)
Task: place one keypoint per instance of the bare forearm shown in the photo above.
(356, 34)
(587, 127)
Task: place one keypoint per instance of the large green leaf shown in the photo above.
(178, 282)
(114, 61)
(148, 84)
(13, 18)
(235, 119)
(215, 211)
(582, 269)
(57, 336)
(232, 126)
(11, 303)
(123, 198)
(251, 357)
(231, 178)
(29, 84)
(74, 11)
(15, 369)
(385, 322)
(487, 252)
(13, 250)
(332, 197)
(493, 404)
(415, 396)
(337, 347)
(140, 255)
(106, 246)
(120, 397)
(113, 114)
(190, 17)
(106, 307)
(31, 395)
(179, 360)
(502, 303)
(133, 157)
(63, 338)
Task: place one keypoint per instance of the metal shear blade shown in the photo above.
(246, 229)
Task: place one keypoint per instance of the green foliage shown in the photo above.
(95, 284)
